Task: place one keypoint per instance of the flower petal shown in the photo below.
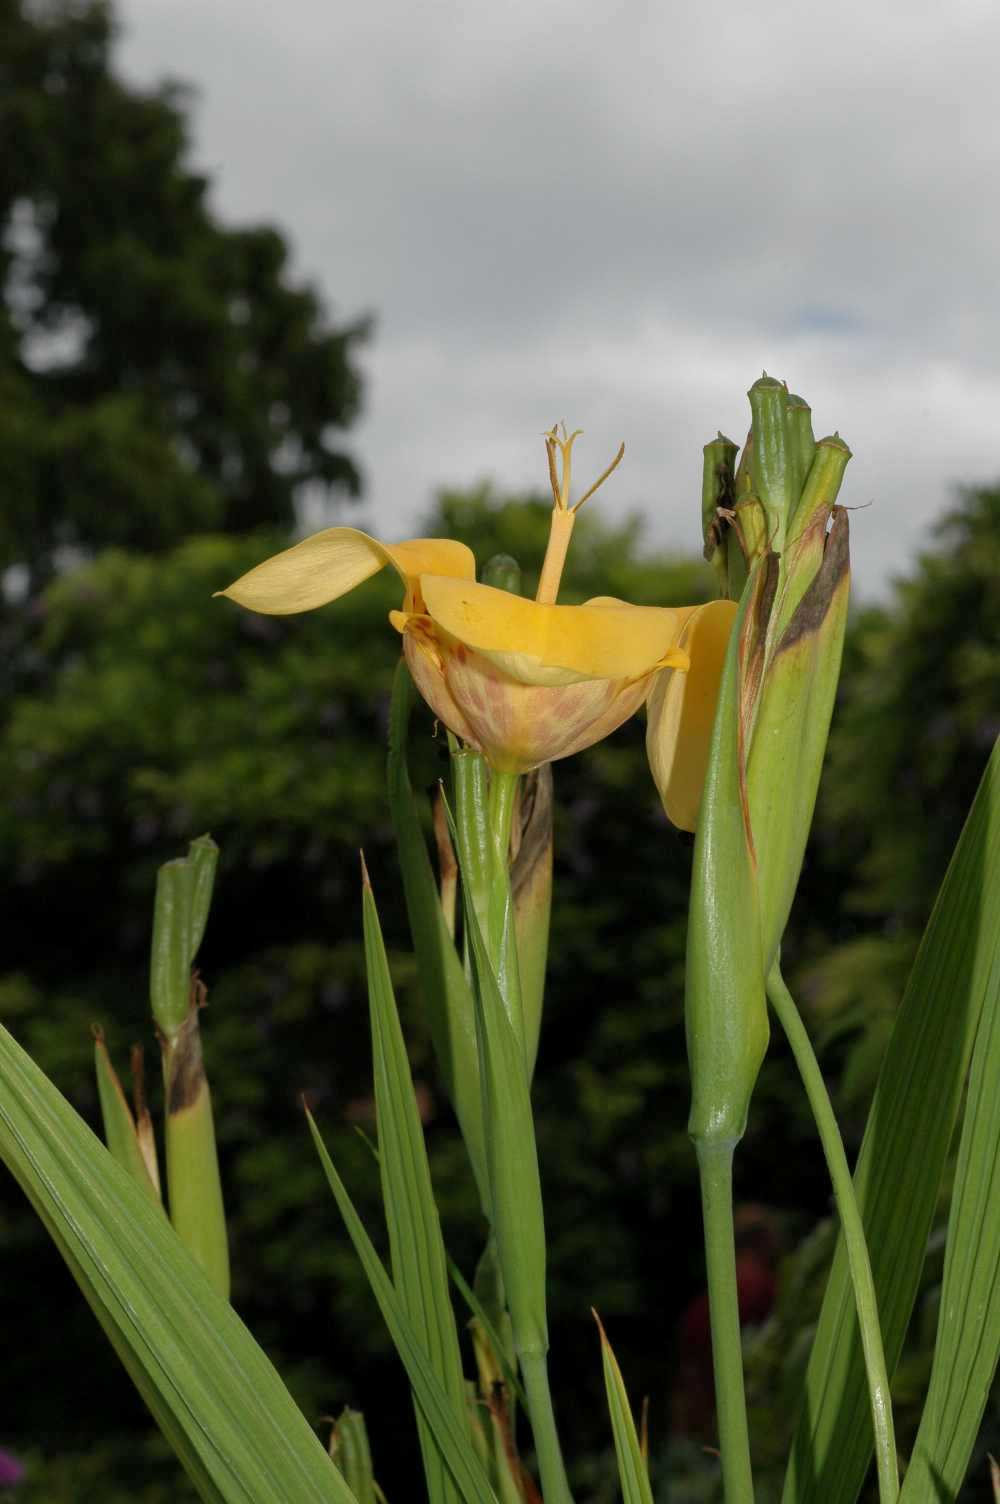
(681, 713)
(329, 564)
(551, 645)
(516, 726)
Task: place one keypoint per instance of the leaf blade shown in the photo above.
(906, 1141)
(632, 1470)
(455, 1444)
(419, 1265)
(213, 1391)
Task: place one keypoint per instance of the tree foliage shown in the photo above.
(161, 374)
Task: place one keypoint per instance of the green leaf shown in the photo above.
(955, 979)
(419, 1264)
(452, 1437)
(478, 1310)
(449, 1005)
(632, 1469)
(183, 897)
(214, 1393)
(968, 1335)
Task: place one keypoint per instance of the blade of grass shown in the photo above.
(450, 1011)
(955, 977)
(212, 1390)
(858, 1258)
(452, 1437)
(968, 1335)
(632, 1470)
(515, 1194)
(419, 1266)
(478, 1310)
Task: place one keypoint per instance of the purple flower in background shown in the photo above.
(11, 1471)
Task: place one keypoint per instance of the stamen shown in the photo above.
(563, 515)
(601, 478)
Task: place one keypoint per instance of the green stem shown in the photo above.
(503, 791)
(555, 1485)
(715, 1168)
(854, 1235)
(471, 777)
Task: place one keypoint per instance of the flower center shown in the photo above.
(559, 448)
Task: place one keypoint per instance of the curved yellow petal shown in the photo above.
(329, 564)
(553, 645)
(681, 713)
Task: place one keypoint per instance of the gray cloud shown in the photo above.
(620, 215)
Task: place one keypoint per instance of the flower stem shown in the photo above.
(555, 1485)
(503, 793)
(500, 933)
(854, 1235)
(471, 777)
(715, 1168)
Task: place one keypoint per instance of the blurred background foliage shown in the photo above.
(171, 402)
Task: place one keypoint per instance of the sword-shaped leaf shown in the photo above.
(452, 1436)
(954, 982)
(968, 1336)
(632, 1469)
(213, 1391)
(419, 1263)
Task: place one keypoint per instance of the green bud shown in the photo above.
(791, 722)
(718, 497)
(801, 444)
(352, 1455)
(183, 898)
(806, 542)
(503, 572)
(774, 461)
(769, 739)
(725, 1004)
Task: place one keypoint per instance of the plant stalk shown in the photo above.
(715, 1168)
(854, 1235)
(552, 1471)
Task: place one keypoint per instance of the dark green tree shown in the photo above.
(161, 374)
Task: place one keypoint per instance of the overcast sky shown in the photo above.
(619, 215)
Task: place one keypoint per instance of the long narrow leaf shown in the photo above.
(478, 1310)
(632, 1469)
(968, 1335)
(214, 1393)
(452, 1437)
(419, 1265)
(445, 990)
(955, 978)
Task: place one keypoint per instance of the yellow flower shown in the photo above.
(524, 682)
(681, 713)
